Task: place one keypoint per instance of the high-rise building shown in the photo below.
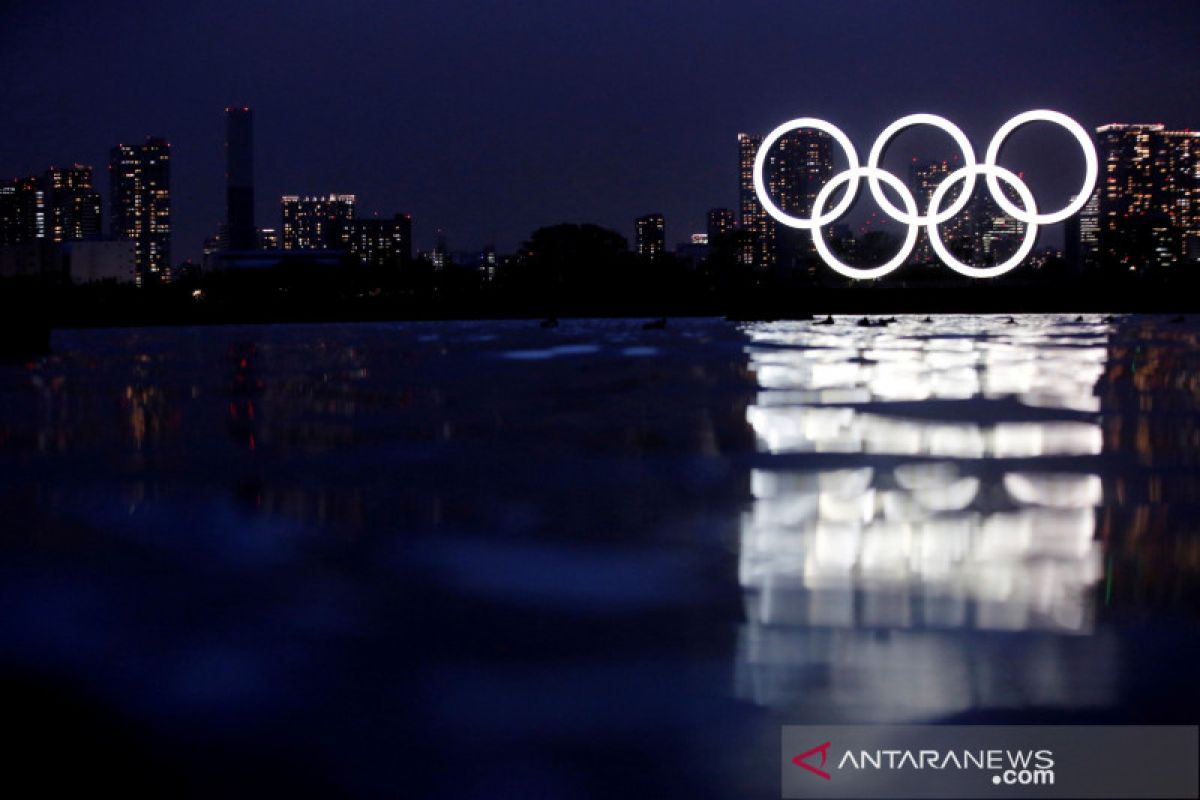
(489, 262)
(317, 223)
(72, 204)
(140, 184)
(757, 248)
(980, 234)
(382, 242)
(1081, 234)
(924, 177)
(796, 169)
(1149, 195)
(239, 178)
(650, 235)
(22, 211)
(440, 257)
(798, 166)
(721, 223)
(997, 234)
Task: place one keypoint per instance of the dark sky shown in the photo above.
(489, 119)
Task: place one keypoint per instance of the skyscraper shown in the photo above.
(318, 222)
(381, 242)
(721, 223)
(794, 172)
(440, 257)
(239, 178)
(1148, 196)
(1081, 234)
(924, 177)
(1089, 230)
(22, 211)
(997, 235)
(140, 183)
(650, 236)
(72, 204)
(757, 246)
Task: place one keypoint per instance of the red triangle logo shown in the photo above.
(801, 760)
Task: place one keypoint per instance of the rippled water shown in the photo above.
(486, 559)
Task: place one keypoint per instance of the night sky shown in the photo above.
(491, 119)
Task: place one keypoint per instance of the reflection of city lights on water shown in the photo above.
(831, 429)
(814, 542)
(904, 502)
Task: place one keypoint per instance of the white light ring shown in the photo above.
(1091, 165)
(876, 154)
(910, 240)
(992, 172)
(760, 161)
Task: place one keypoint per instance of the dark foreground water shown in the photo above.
(489, 560)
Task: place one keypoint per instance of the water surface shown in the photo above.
(487, 559)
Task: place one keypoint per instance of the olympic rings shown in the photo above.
(761, 159)
(910, 241)
(992, 172)
(959, 138)
(1091, 165)
(935, 215)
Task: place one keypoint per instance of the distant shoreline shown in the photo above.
(28, 315)
(814, 302)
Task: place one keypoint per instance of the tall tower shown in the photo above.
(140, 182)
(756, 249)
(22, 211)
(796, 169)
(650, 236)
(1081, 234)
(799, 164)
(923, 180)
(239, 178)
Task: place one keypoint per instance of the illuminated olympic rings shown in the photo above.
(1026, 213)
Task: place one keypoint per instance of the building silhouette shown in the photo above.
(22, 211)
(61, 205)
(440, 257)
(318, 222)
(239, 179)
(73, 205)
(1089, 230)
(958, 232)
(1148, 195)
(757, 246)
(140, 185)
(1081, 234)
(650, 235)
(996, 235)
(381, 242)
(721, 222)
(798, 166)
(268, 239)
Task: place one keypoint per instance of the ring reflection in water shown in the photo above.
(923, 496)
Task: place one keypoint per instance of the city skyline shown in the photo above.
(1141, 215)
(491, 123)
